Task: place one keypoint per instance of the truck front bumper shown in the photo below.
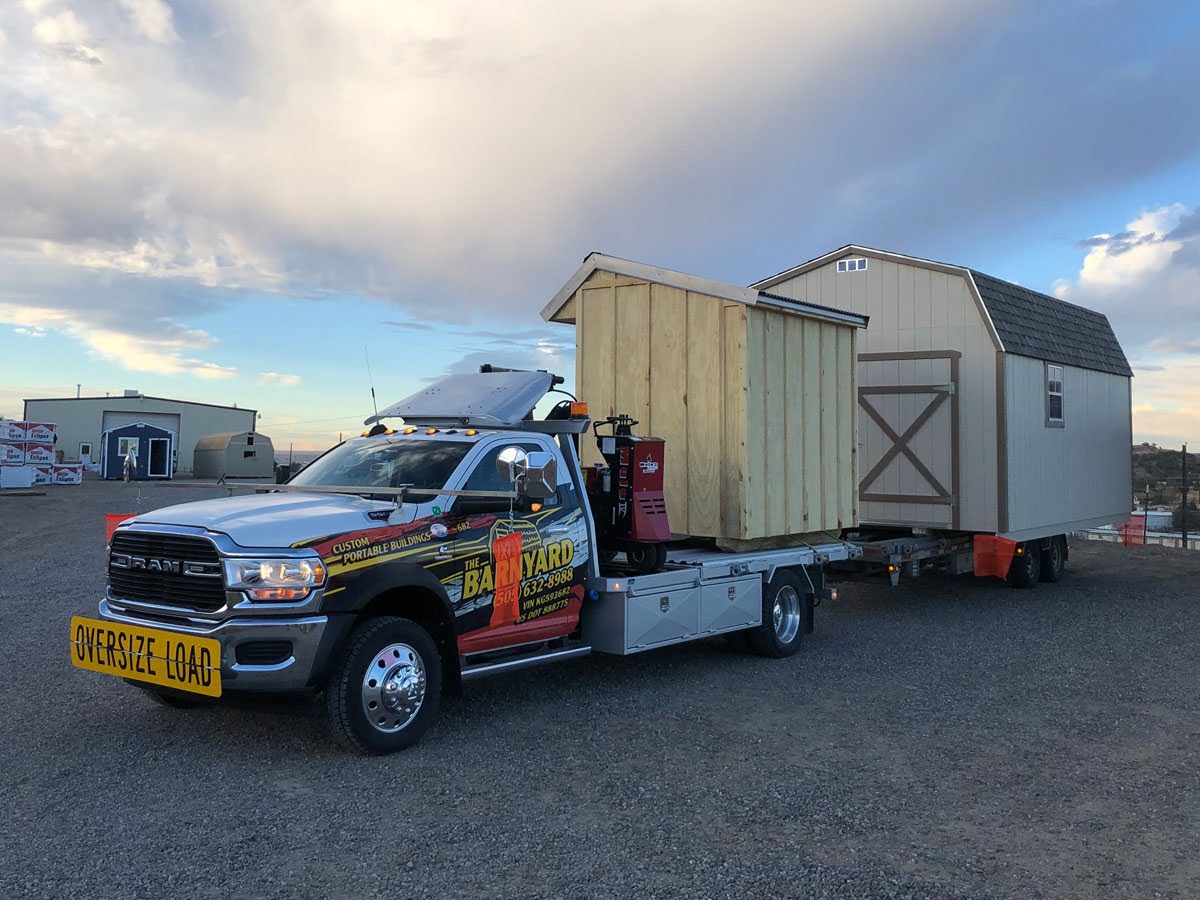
(257, 654)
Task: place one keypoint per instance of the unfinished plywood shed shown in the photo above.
(984, 406)
(234, 454)
(753, 394)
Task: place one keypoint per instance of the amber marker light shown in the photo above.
(578, 408)
(471, 432)
(431, 431)
(410, 431)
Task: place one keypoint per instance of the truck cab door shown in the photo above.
(523, 574)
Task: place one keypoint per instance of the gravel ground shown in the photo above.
(960, 740)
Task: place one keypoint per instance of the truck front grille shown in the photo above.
(166, 570)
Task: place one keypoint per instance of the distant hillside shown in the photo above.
(1160, 468)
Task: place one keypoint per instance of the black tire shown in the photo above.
(1054, 559)
(1026, 566)
(170, 698)
(346, 696)
(780, 636)
(646, 558)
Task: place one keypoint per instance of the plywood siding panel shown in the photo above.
(632, 369)
(668, 387)
(775, 439)
(1079, 472)
(792, 428)
(756, 412)
(829, 420)
(705, 420)
(846, 488)
(734, 503)
(813, 500)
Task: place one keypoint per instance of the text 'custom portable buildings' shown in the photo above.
(752, 393)
(234, 454)
(985, 406)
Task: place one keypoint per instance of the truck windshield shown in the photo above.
(385, 464)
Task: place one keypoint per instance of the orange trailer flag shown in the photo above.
(1133, 532)
(506, 604)
(993, 555)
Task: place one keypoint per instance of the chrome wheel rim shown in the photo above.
(1055, 556)
(786, 614)
(393, 688)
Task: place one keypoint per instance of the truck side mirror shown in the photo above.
(541, 475)
(510, 464)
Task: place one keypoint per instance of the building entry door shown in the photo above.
(160, 458)
(908, 435)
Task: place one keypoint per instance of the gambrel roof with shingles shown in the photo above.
(1025, 322)
(1043, 327)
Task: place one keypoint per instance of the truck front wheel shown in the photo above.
(385, 687)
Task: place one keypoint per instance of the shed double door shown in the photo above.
(908, 437)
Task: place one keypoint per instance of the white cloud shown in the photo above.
(30, 332)
(378, 147)
(62, 28)
(169, 355)
(279, 379)
(1126, 258)
(1146, 278)
(152, 18)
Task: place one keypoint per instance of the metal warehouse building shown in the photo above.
(82, 420)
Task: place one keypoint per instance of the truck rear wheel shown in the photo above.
(1054, 559)
(1026, 566)
(784, 618)
(386, 686)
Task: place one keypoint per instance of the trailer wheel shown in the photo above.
(1054, 559)
(386, 686)
(786, 608)
(1026, 565)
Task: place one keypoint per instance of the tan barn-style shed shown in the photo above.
(985, 406)
(753, 393)
(234, 454)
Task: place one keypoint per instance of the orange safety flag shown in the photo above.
(993, 555)
(1133, 532)
(111, 521)
(506, 604)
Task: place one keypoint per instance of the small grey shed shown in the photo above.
(234, 454)
(985, 406)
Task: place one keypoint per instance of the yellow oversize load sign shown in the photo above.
(179, 661)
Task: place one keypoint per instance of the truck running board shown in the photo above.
(524, 662)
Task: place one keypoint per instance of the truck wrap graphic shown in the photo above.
(498, 572)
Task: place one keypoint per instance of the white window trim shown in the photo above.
(1061, 393)
(852, 264)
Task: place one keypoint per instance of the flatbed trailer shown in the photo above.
(909, 553)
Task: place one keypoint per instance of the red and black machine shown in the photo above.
(626, 495)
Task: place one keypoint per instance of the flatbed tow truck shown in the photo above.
(469, 541)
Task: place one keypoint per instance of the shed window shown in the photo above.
(249, 454)
(852, 265)
(127, 446)
(1054, 395)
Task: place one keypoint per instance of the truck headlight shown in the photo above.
(275, 580)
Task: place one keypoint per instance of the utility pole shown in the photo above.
(1183, 505)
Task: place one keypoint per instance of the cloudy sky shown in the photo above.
(239, 202)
